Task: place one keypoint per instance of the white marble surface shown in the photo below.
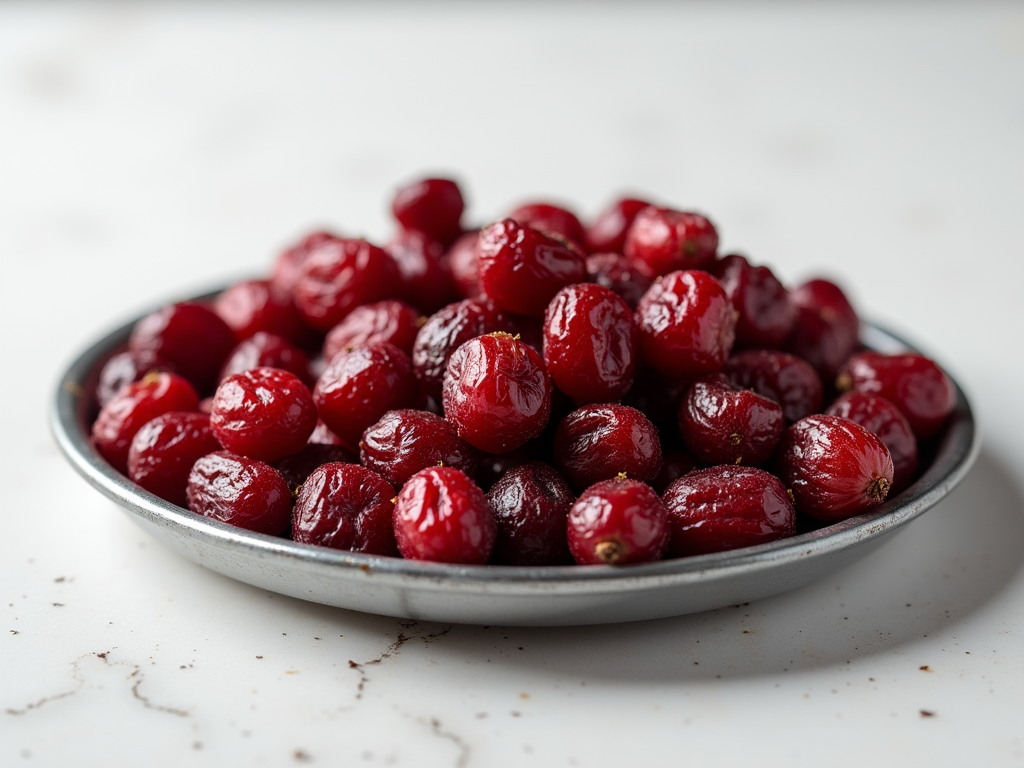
(147, 151)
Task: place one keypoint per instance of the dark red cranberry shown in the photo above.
(531, 504)
(134, 405)
(913, 383)
(617, 522)
(608, 232)
(685, 325)
(589, 347)
(496, 393)
(599, 442)
(441, 515)
(723, 508)
(340, 275)
(431, 206)
(521, 268)
(674, 464)
(240, 491)
(552, 219)
(288, 264)
(827, 329)
(392, 321)
(663, 240)
(190, 338)
(766, 315)
(883, 418)
(361, 385)
(345, 506)
(787, 379)
(463, 264)
(267, 350)
(425, 275)
(255, 306)
(835, 468)
(163, 451)
(119, 371)
(447, 330)
(297, 467)
(265, 414)
(613, 270)
(724, 424)
(405, 441)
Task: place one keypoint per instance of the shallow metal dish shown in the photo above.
(494, 594)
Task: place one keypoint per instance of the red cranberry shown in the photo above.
(425, 276)
(613, 270)
(403, 442)
(361, 385)
(685, 325)
(442, 516)
(913, 383)
(240, 491)
(255, 306)
(531, 504)
(599, 442)
(724, 424)
(190, 338)
(617, 522)
(521, 268)
(608, 232)
(133, 406)
(723, 508)
(827, 328)
(392, 321)
(345, 506)
(880, 416)
(431, 206)
(297, 467)
(163, 451)
(765, 313)
(835, 468)
(496, 393)
(787, 379)
(588, 343)
(662, 240)
(267, 350)
(552, 219)
(462, 261)
(289, 263)
(340, 275)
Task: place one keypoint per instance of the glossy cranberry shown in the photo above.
(883, 418)
(530, 504)
(787, 379)
(617, 522)
(267, 350)
(297, 467)
(462, 261)
(339, 275)
(913, 383)
(663, 240)
(405, 441)
(287, 266)
(190, 338)
(827, 329)
(134, 405)
(392, 321)
(447, 330)
(265, 414)
(765, 312)
(496, 393)
(362, 384)
(674, 464)
(163, 451)
(551, 219)
(722, 508)
(613, 270)
(589, 345)
(685, 325)
(426, 278)
(255, 306)
(607, 234)
(835, 468)
(119, 371)
(431, 206)
(240, 491)
(521, 268)
(599, 442)
(345, 506)
(724, 424)
(442, 516)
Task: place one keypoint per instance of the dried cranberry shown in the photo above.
(267, 350)
(599, 442)
(617, 522)
(883, 418)
(787, 379)
(607, 234)
(765, 313)
(827, 329)
(552, 219)
(613, 270)
(240, 491)
(298, 466)
(442, 516)
(531, 504)
(255, 306)
(431, 206)
(663, 240)
(426, 279)
(405, 441)
(345, 506)
(462, 261)
(163, 451)
(723, 508)
(392, 321)
(289, 263)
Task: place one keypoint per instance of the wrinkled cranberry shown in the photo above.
(255, 306)
(765, 313)
(267, 350)
(431, 206)
(599, 442)
(531, 504)
(163, 451)
(883, 418)
(240, 491)
(827, 329)
(552, 219)
(392, 321)
(426, 279)
(405, 441)
(463, 264)
(663, 240)
(617, 522)
(613, 271)
(607, 234)
(288, 264)
(298, 466)
(787, 379)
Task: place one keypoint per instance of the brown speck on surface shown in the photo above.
(301, 756)
(516, 714)
(58, 605)
(13, 631)
(197, 745)
(316, 638)
(259, 657)
(463, 747)
(524, 696)
(927, 713)
(58, 580)
(746, 631)
(925, 668)
(520, 647)
(365, 568)
(74, 388)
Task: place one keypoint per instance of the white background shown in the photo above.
(151, 151)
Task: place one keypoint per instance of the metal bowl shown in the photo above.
(503, 595)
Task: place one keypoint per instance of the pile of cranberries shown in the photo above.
(535, 392)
